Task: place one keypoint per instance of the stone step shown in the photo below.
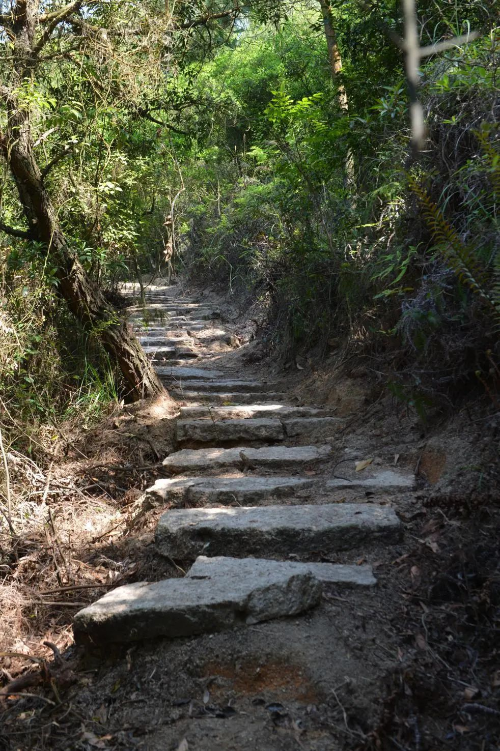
(182, 362)
(281, 530)
(160, 353)
(227, 490)
(187, 322)
(229, 431)
(384, 480)
(213, 334)
(188, 375)
(327, 573)
(215, 385)
(168, 305)
(255, 429)
(188, 352)
(251, 410)
(166, 341)
(234, 399)
(271, 457)
(168, 314)
(184, 607)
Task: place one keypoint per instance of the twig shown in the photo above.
(8, 515)
(414, 54)
(47, 484)
(108, 532)
(56, 543)
(480, 709)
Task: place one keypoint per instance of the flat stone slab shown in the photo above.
(270, 456)
(249, 411)
(327, 573)
(159, 351)
(165, 341)
(212, 333)
(185, 607)
(231, 399)
(224, 385)
(225, 490)
(224, 431)
(181, 373)
(256, 429)
(387, 479)
(302, 530)
(187, 351)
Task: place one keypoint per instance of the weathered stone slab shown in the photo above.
(160, 352)
(212, 333)
(185, 607)
(188, 374)
(223, 385)
(233, 399)
(249, 411)
(188, 352)
(227, 431)
(271, 456)
(281, 530)
(224, 490)
(327, 573)
(256, 429)
(166, 341)
(163, 305)
(387, 479)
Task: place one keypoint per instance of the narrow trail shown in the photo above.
(279, 619)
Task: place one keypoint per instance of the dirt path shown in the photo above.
(308, 619)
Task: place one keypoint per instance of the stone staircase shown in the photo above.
(253, 509)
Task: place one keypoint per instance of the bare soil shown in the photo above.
(413, 664)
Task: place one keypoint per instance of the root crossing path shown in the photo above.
(276, 623)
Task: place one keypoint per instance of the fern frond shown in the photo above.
(460, 257)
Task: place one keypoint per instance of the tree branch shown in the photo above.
(204, 20)
(55, 18)
(148, 116)
(20, 233)
(53, 162)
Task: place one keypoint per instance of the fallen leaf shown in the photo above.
(461, 729)
(421, 641)
(416, 576)
(495, 679)
(93, 740)
(432, 544)
(206, 696)
(396, 458)
(363, 464)
(400, 559)
(183, 745)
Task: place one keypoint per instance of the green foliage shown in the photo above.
(51, 372)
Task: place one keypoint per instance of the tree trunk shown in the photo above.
(335, 61)
(334, 57)
(85, 300)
